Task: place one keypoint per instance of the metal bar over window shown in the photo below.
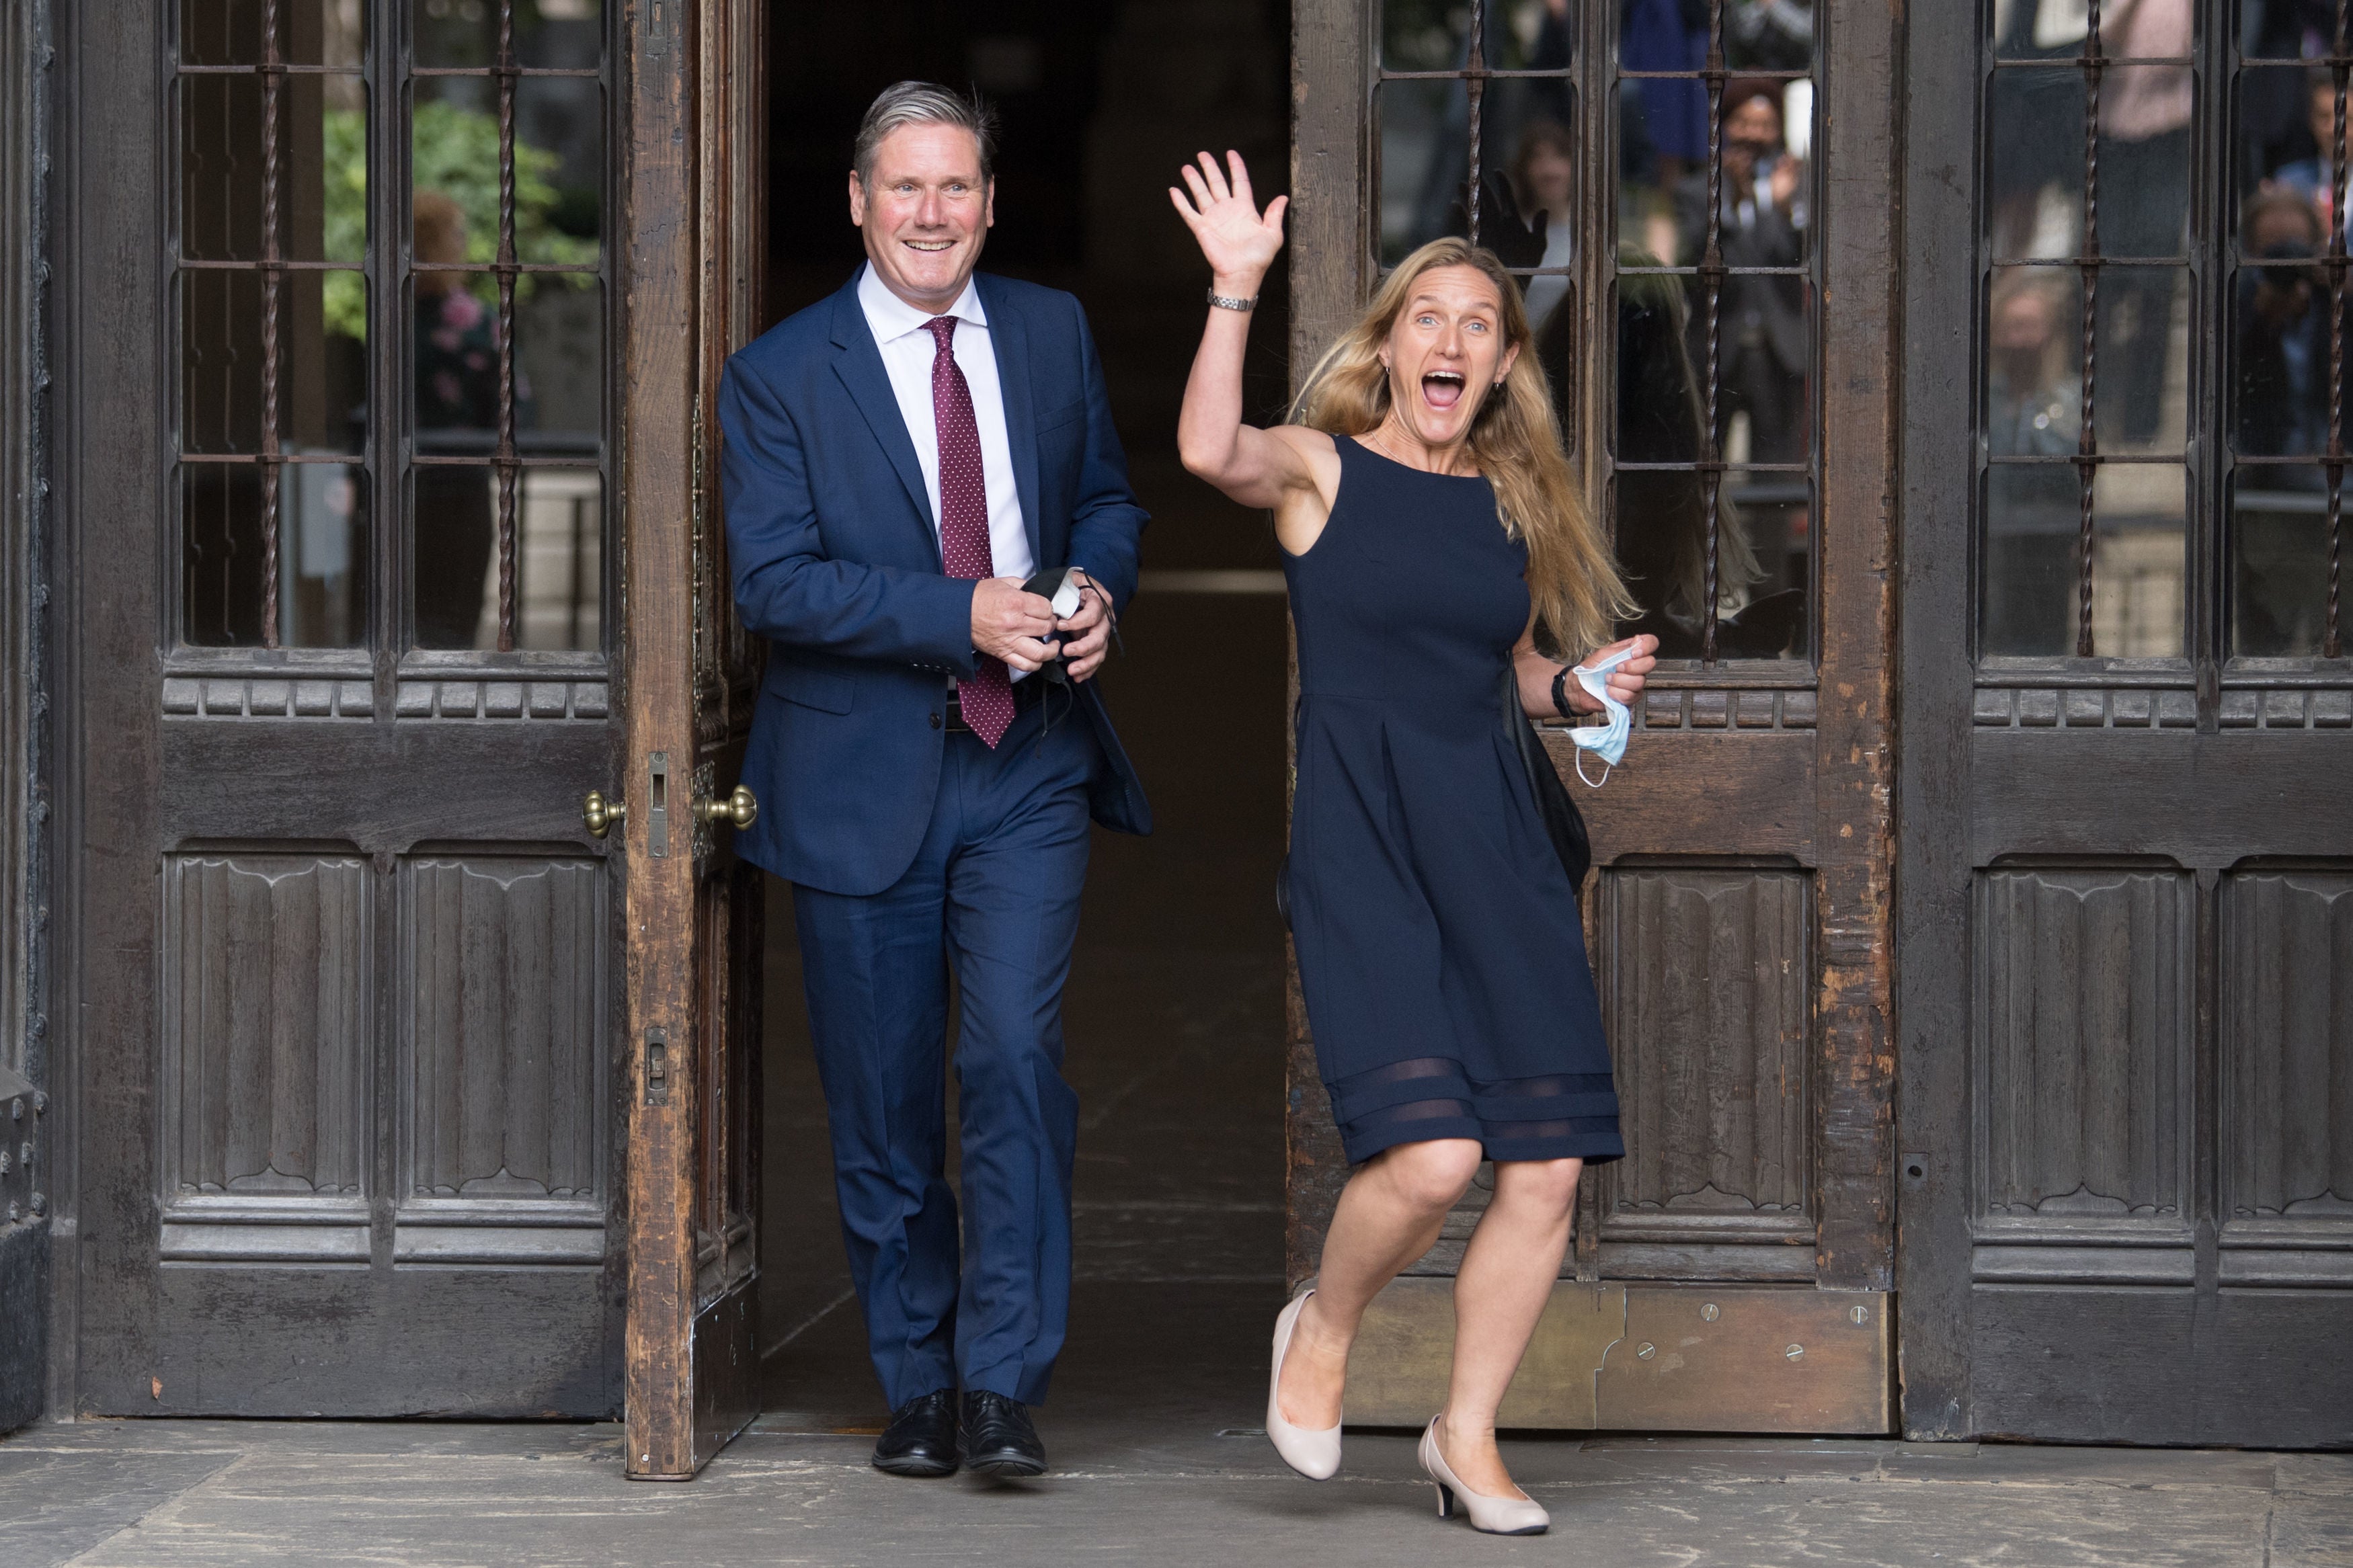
(272, 278)
(505, 72)
(1711, 273)
(2331, 642)
(2087, 442)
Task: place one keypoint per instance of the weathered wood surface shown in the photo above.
(694, 228)
(328, 1015)
(2122, 1218)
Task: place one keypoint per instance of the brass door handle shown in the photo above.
(739, 810)
(600, 814)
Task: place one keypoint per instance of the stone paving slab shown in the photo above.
(197, 1494)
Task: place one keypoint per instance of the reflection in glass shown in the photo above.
(456, 397)
(1434, 35)
(1544, 184)
(310, 32)
(1764, 189)
(322, 362)
(2284, 135)
(323, 553)
(1662, 514)
(548, 34)
(1423, 131)
(1769, 34)
(2138, 560)
(2280, 333)
(558, 163)
(2279, 560)
(556, 412)
(322, 168)
(560, 555)
(2034, 156)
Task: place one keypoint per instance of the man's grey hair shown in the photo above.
(923, 103)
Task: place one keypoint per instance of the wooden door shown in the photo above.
(342, 964)
(693, 207)
(1732, 1273)
(2127, 864)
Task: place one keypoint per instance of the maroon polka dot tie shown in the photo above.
(987, 698)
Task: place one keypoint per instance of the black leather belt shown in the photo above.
(1028, 692)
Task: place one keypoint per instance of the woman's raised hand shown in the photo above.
(1239, 241)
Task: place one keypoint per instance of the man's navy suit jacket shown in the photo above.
(836, 560)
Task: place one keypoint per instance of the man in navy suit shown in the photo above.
(898, 460)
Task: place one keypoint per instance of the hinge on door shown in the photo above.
(657, 1066)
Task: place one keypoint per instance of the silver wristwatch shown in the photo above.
(1229, 302)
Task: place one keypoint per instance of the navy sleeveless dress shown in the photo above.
(1440, 948)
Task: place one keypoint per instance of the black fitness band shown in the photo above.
(1560, 693)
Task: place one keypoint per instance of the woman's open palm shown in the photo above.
(1234, 235)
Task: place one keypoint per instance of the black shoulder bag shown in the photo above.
(1563, 824)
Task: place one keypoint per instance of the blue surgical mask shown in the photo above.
(1607, 741)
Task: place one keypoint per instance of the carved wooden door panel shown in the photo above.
(693, 207)
(1706, 190)
(346, 963)
(2128, 859)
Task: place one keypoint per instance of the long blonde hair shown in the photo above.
(1514, 442)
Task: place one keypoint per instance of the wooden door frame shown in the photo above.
(1933, 1050)
(26, 1240)
(1847, 833)
(694, 195)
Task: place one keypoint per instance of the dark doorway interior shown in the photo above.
(1174, 1012)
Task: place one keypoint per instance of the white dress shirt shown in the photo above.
(907, 353)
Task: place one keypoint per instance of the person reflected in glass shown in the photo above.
(2281, 357)
(2283, 337)
(2033, 409)
(1544, 178)
(1661, 533)
(1440, 564)
(2310, 176)
(2144, 151)
(1667, 35)
(1766, 346)
(457, 371)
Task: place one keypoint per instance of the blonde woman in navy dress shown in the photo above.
(1433, 538)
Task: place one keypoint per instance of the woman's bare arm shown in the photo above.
(1285, 468)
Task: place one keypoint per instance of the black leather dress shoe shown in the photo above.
(922, 1438)
(997, 1438)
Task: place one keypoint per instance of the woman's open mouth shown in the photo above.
(1442, 389)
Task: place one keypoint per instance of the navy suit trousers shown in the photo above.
(993, 893)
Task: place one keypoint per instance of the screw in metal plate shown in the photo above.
(1861, 1315)
(1710, 1312)
(1645, 1350)
(1794, 1352)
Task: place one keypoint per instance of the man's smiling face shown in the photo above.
(927, 213)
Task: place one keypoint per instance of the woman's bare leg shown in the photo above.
(1388, 1214)
(1506, 1277)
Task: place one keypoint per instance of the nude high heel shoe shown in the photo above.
(1494, 1515)
(1315, 1455)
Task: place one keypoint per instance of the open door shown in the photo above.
(692, 210)
(338, 1010)
(1706, 192)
